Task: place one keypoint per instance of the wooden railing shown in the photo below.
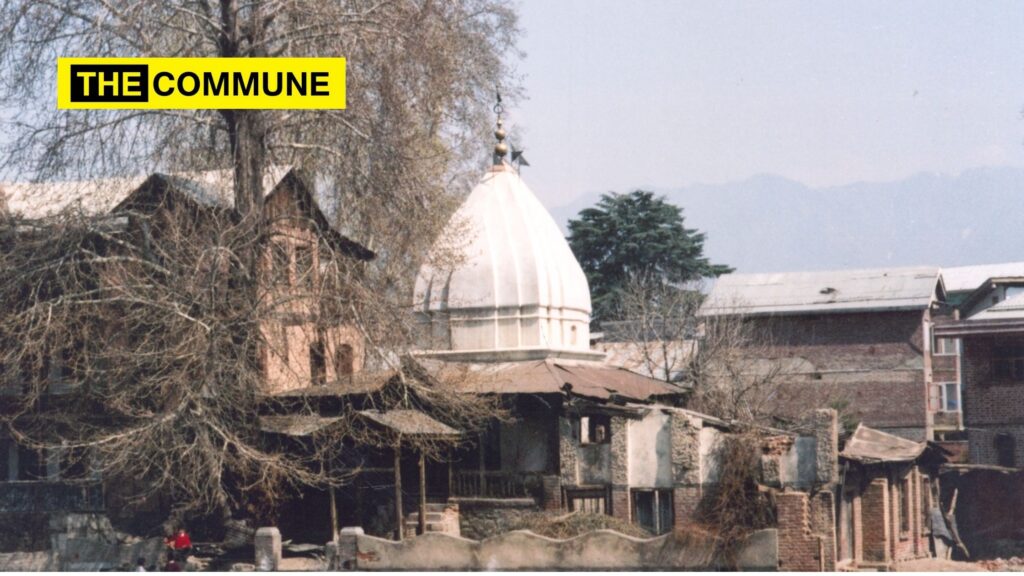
(496, 484)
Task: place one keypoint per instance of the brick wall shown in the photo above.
(800, 544)
(686, 501)
(871, 362)
(991, 405)
(875, 525)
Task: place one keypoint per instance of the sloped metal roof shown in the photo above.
(295, 424)
(549, 376)
(1010, 309)
(970, 278)
(869, 446)
(409, 423)
(835, 291)
(100, 196)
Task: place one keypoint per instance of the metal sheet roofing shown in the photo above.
(1010, 309)
(100, 196)
(822, 292)
(409, 422)
(590, 379)
(969, 278)
(295, 424)
(869, 446)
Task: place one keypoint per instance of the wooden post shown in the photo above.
(334, 516)
(422, 527)
(451, 475)
(334, 505)
(483, 478)
(398, 491)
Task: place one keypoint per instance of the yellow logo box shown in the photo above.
(201, 83)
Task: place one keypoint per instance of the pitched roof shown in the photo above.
(869, 446)
(100, 196)
(822, 292)
(969, 278)
(409, 422)
(295, 424)
(1010, 309)
(549, 376)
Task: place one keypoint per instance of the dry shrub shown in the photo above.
(563, 526)
(737, 506)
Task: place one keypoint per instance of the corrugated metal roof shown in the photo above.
(295, 424)
(869, 446)
(409, 422)
(1010, 309)
(589, 379)
(834, 291)
(100, 196)
(969, 278)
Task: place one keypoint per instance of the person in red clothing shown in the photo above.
(180, 544)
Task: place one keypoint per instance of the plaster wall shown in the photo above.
(650, 450)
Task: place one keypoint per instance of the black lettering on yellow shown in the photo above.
(319, 81)
(215, 87)
(156, 83)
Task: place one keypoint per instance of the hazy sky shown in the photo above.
(664, 94)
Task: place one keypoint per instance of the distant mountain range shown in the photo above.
(771, 224)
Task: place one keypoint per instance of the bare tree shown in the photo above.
(724, 357)
(160, 325)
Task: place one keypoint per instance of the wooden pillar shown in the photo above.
(334, 503)
(398, 491)
(422, 527)
(483, 478)
(451, 475)
(334, 515)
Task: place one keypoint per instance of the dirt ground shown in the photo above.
(937, 565)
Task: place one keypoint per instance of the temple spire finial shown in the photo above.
(500, 149)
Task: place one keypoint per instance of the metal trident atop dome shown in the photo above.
(500, 149)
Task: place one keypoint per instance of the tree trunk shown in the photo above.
(398, 492)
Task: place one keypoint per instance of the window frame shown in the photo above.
(585, 494)
(662, 509)
(943, 350)
(943, 388)
(588, 429)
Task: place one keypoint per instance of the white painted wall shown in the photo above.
(650, 451)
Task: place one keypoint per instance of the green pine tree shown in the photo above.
(636, 235)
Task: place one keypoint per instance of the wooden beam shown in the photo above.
(398, 491)
(422, 526)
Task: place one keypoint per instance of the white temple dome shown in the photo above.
(518, 290)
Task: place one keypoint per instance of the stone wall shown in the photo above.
(523, 550)
(481, 518)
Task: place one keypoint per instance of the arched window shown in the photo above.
(344, 360)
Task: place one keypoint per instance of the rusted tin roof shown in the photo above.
(549, 376)
(869, 446)
(295, 424)
(409, 423)
(823, 292)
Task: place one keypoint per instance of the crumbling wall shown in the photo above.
(481, 518)
(806, 528)
(523, 550)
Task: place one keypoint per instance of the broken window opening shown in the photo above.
(652, 510)
(317, 364)
(344, 360)
(1006, 448)
(595, 429)
(592, 501)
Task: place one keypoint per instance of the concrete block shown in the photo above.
(268, 549)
